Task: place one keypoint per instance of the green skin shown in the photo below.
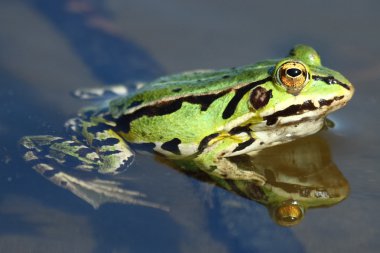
(205, 116)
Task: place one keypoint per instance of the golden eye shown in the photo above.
(293, 76)
(288, 214)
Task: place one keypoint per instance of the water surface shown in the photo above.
(49, 49)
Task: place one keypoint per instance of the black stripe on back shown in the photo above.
(168, 107)
(172, 146)
(243, 145)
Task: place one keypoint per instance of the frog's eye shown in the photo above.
(293, 75)
(288, 213)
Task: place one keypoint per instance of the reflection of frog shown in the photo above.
(299, 175)
(206, 116)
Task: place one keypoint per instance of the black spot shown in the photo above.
(98, 128)
(291, 110)
(240, 129)
(71, 161)
(143, 146)
(204, 142)
(73, 144)
(260, 97)
(122, 167)
(225, 76)
(110, 152)
(239, 93)
(324, 102)
(106, 142)
(108, 117)
(83, 152)
(331, 80)
(172, 146)
(135, 103)
(176, 90)
(243, 145)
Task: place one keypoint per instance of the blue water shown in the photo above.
(49, 48)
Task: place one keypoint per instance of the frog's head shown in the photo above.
(297, 97)
(301, 73)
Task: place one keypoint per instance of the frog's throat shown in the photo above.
(265, 137)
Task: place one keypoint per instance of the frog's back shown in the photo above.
(191, 85)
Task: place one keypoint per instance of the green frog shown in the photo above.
(206, 116)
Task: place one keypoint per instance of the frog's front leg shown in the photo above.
(213, 160)
(100, 149)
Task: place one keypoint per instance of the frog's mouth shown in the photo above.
(307, 110)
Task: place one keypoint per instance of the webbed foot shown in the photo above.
(109, 155)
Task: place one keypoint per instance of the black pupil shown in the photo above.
(293, 72)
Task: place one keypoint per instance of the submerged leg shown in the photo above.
(100, 149)
(213, 161)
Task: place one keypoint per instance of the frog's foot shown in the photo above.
(107, 155)
(51, 155)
